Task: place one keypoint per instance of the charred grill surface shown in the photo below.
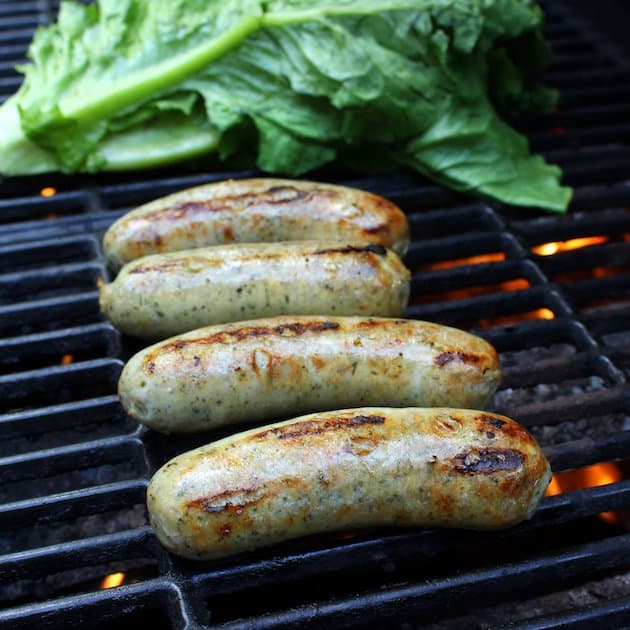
(551, 292)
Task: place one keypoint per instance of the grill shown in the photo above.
(551, 292)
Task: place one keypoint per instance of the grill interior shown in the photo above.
(74, 468)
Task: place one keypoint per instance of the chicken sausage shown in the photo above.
(166, 294)
(284, 366)
(255, 210)
(332, 471)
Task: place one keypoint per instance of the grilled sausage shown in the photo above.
(363, 467)
(256, 210)
(278, 367)
(166, 294)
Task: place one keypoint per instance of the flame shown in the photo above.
(518, 284)
(48, 191)
(112, 580)
(66, 359)
(544, 313)
(587, 477)
(460, 262)
(549, 249)
(514, 318)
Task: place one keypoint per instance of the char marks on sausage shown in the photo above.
(306, 428)
(487, 460)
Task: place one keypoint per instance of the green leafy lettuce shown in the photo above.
(125, 84)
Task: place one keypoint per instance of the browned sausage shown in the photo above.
(346, 469)
(281, 366)
(256, 210)
(166, 294)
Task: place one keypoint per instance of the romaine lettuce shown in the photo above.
(135, 83)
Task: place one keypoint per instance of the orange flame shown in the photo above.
(544, 313)
(113, 580)
(48, 191)
(460, 262)
(549, 249)
(514, 318)
(587, 477)
(518, 284)
(66, 359)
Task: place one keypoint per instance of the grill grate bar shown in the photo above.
(542, 332)
(61, 227)
(100, 339)
(588, 134)
(547, 229)
(456, 278)
(610, 614)
(18, 8)
(42, 252)
(12, 53)
(489, 306)
(46, 419)
(72, 457)
(587, 95)
(76, 502)
(24, 317)
(617, 254)
(409, 601)
(97, 550)
(600, 136)
(102, 608)
(579, 116)
(587, 77)
(587, 451)
(599, 288)
(66, 277)
(578, 504)
(468, 244)
(17, 35)
(551, 370)
(569, 60)
(86, 379)
(592, 404)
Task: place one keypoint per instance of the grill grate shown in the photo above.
(74, 468)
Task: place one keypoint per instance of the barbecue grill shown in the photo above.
(551, 292)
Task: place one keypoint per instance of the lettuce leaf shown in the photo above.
(126, 84)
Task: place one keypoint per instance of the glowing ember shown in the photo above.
(113, 580)
(48, 191)
(549, 249)
(66, 359)
(587, 477)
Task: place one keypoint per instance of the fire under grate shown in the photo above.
(551, 292)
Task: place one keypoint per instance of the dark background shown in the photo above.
(608, 17)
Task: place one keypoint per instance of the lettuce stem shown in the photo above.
(137, 87)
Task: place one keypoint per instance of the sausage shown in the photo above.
(355, 468)
(166, 294)
(256, 210)
(280, 367)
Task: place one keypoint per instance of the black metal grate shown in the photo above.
(74, 468)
